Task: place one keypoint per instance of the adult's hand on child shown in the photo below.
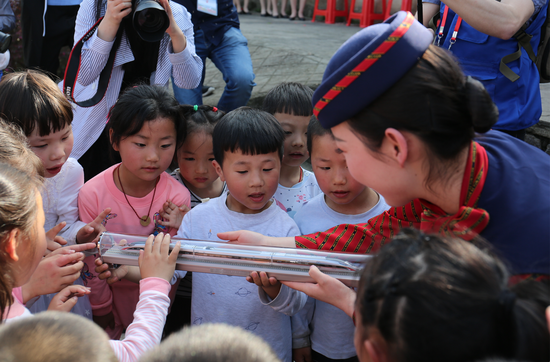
(270, 285)
(90, 233)
(155, 260)
(111, 275)
(327, 289)
(172, 214)
(54, 241)
(66, 299)
(301, 354)
(105, 321)
(54, 273)
(243, 237)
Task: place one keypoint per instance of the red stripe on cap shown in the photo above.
(365, 64)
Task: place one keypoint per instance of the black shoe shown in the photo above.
(292, 18)
(207, 90)
(275, 16)
(302, 19)
(264, 15)
(246, 12)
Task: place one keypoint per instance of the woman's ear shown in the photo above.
(396, 146)
(115, 146)
(218, 169)
(10, 246)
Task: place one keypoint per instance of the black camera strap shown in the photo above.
(73, 68)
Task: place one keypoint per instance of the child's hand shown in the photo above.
(172, 214)
(155, 261)
(301, 354)
(270, 285)
(55, 272)
(66, 299)
(111, 275)
(90, 233)
(54, 241)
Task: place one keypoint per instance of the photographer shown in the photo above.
(480, 34)
(136, 62)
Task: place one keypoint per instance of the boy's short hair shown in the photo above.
(54, 336)
(314, 129)
(212, 343)
(289, 98)
(249, 130)
(31, 99)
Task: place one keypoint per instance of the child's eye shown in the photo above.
(267, 169)
(211, 159)
(140, 144)
(242, 172)
(65, 138)
(288, 132)
(325, 168)
(189, 159)
(39, 146)
(166, 146)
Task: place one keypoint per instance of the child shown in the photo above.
(327, 329)
(32, 101)
(290, 104)
(23, 243)
(194, 344)
(197, 173)
(145, 127)
(247, 151)
(64, 337)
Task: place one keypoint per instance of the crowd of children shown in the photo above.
(238, 171)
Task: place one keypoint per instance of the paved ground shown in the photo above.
(284, 50)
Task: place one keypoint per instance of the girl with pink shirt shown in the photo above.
(145, 127)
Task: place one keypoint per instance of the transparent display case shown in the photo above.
(236, 259)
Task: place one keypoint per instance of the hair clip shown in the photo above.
(214, 109)
(196, 108)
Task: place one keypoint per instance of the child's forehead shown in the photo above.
(238, 156)
(324, 143)
(291, 118)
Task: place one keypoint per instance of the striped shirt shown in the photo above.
(88, 123)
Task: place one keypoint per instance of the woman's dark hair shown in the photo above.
(203, 119)
(249, 130)
(31, 99)
(435, 299)
(289, 98)
(17, 211)
(142, 104)
(314, 129)
(435, 102)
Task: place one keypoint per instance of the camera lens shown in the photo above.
(150, 20)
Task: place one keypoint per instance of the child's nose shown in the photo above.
(202, 167)
(58, 152)
(340, 177)
(152, 155)
(256, 179)
(299, 141)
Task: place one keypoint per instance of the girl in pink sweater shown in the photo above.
(145, 128)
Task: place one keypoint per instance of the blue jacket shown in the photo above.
(516, 195)
(479, 54)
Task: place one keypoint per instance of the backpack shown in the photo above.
(542, 59)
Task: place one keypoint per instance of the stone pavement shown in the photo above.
(284, 50)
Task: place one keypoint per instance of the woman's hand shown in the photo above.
(66, 299)
(116, 11)
(327, 289)
(179, 41)
(254, 238)
(155, 259)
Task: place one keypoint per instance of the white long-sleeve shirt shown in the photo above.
(186, 67)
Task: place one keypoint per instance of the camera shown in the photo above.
(149, 19)
(5, 41)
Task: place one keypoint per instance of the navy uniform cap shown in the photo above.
(367, 65)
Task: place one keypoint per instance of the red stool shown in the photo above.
(367, 16)
(330, 13)
(405, 5)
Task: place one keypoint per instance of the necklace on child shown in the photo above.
(301, 175)
(145, 219)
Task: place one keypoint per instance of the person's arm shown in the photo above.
(501, 19)
(95, 51)
(301, 350)
(186, 64)
(429, 9)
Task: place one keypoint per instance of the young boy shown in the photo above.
(248, 146)
(290, 104)
(327, 329)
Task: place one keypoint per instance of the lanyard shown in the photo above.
(442, 27)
